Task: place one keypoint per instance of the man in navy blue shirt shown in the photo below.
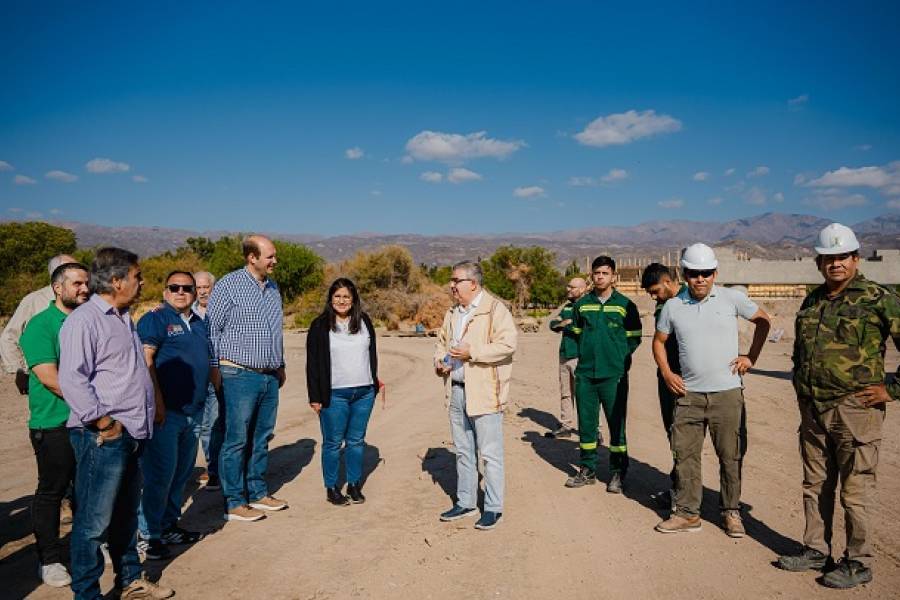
(176, 348)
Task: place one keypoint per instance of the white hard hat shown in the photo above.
(836, 239)
(699, 257)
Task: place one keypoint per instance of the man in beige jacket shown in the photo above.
(474, 354)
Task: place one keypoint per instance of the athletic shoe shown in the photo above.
(176, 535)
(616, 483)
(584, 477)
(153, 549)
(731, 520)
(143, 589)
(807, 560)
(457, 512)
(269, 503)
(334, 495)
(244, 513)
(488, 520)
(679, 524)
(54, 575)
(848, 574)
(355, 493)
(213, 483)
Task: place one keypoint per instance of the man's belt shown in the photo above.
(461, 384)
(229, 363)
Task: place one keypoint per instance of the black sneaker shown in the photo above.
(176, 535)
(584, 477)
(335, 496)
(807, 560)
(488, 520)
(457, 512)
(213, 483)
(616, 482)
(355, 492)
(848, 574)
(153, 549)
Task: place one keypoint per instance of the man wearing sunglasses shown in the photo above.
(839, 376)
(709, 389)
(176, 351)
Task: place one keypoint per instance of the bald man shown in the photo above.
(244, 318)
(568, 360)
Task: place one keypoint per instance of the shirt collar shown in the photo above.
(171, 309)
(105, 306)
(267, 281)
(473, 304)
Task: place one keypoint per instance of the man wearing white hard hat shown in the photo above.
(839, 376)
(710, 389)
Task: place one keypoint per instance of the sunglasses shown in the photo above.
(695, 273)
(175, 288)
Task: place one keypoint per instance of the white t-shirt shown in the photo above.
(350, 357)
(707, 336)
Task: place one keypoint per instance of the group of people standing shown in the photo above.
(117, 409)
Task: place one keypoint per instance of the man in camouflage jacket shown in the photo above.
(841, 331)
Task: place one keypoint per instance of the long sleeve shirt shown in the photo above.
(10, 350)
(102, 369)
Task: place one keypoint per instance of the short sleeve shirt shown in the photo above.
(182, 356)
(40, 345)
(707, 336)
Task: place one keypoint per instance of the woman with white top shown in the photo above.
(342, 379)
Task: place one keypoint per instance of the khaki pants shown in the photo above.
(723, 413)
(567, 415)
(840, 443)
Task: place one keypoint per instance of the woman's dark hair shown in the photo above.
(355, 308)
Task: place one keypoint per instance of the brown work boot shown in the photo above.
(269, 503)
(679, 524)
(244, 513)
(144, 589)
(731, 521)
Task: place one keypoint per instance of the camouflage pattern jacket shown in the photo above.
(840, 342)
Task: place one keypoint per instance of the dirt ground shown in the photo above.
(552, 542)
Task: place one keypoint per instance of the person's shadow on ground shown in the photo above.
(644, 482)
(207, 506)
(18, 568)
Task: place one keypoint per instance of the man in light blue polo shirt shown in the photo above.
(710, 389)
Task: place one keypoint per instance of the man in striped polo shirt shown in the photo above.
(247, 366)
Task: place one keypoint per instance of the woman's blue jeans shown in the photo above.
(344, 423)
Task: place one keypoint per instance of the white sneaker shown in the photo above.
(54, 575)
(104, 549)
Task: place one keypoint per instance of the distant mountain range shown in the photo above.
(770, 235)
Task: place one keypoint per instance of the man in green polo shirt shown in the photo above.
(568, 360)
(608, 326)
(49, 412)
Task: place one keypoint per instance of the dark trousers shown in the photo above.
(56, 470)
(667, 410)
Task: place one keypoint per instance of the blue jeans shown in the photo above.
(168, 460)
(344, 423)
(471, 435)
(108, 489)
(251, 407)
(212, 430)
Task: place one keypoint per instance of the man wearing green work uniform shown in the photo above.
(568, 360)
(608, 327)
(839, 376)
(658, 282)
(49, 413)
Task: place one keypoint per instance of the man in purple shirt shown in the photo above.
(107, 386)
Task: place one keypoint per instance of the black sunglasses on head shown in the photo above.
(175, 288)
(695, 273)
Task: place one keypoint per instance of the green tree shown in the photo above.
(389, 267)
(299, 269)
(201, 246)
(25, 249)
(523, 275)
(226, 255)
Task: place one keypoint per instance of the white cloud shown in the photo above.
(671, 204)
(5, 166)
(106, 165)
(431, 177)
(701, 176)
(23, 180)
(460, 175)
(834, 199)
(61, 176)
(33, 215)
(582, 181)
(624, 128)
(55, 211)
(407, 160)
(139, 179)
(531, 191)
(715, 201)
(799, 179)
(759, 171)
(614, 175)
(798, 102)
(455, 148)
(755, 196)
(778, 197)
(885, 179)
(15, 210)
(863, 147)
(893, 204)
(354, 153)
(730, 172)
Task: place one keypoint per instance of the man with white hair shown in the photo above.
(839, 376)
(710, 389)
(10, 352)
(212, 429)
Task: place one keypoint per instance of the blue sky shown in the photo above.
(446, 117)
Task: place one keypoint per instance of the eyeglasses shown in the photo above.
(695, 273)
(175, 288)
(458, 281)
